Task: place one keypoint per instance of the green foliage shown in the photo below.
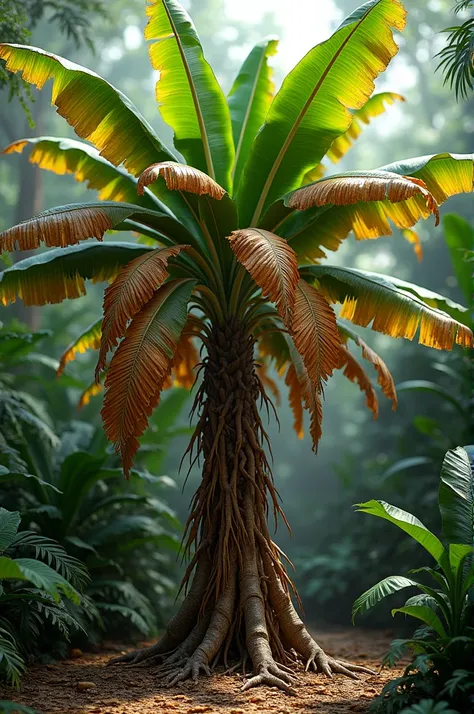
(26, 612)
(459, 237)
(78, 517)
(457, 56)
(125, 538)
(445, 644)
(19, 17)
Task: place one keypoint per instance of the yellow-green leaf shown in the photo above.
(249, 100)
(188, 94)
(87, 340)
(372, 299)
(56, 275)
(375, 106)
(312, 107)
(68, 156)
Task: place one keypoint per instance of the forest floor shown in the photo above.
(58, 688)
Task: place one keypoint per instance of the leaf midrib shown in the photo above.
(248, 111)
(192, 88)
(316, 322)
(279, 269)
(290, 137)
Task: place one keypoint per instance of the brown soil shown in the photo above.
(56, 688)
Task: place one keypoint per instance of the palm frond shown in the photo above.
(460, 5)
(457, 57)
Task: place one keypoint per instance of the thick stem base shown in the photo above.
(238, 604)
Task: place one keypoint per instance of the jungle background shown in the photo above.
(130, 546)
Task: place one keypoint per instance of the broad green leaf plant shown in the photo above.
(444, 647)
(233, 228)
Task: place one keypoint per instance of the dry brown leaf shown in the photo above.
(272, 263)
(58, 227)
(315, 334)
(141, 365)
(295, 399)
(129, 292)
(365, 187)
(385, 378)
(180, 177)
(354, 372)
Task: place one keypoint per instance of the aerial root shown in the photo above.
(179, 626)
(273, 675)
(265, 669)
(192, 668)
(139, 655)
(297, 635)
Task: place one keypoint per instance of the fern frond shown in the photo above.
(55, 556)
(12, 664)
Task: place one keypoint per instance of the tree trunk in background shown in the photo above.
(29, 201)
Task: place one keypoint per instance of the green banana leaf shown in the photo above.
(378, 592)
(426, 615)
(249, 101)
(407, 523)
(312, 107)
(55, 275)
(68, 156)
(189, 96)
(459, 236)
(456, 497)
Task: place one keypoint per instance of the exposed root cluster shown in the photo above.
(238, 605)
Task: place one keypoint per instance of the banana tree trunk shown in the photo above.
(238, 606)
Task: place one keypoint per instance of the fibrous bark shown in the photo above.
(238, 605)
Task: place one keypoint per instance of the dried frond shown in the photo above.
(271, 263)
(131, 290)
(65, 225)
(315, 334)
(385, 378)
(311, 397)
(295, 399)
(371, 186)
(180, 177)
(141, 365)
(354, 372)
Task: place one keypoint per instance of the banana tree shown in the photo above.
(232, 230)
